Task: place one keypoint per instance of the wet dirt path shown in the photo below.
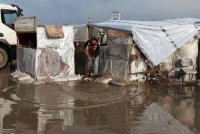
(91, 108)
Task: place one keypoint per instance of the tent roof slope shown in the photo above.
(156, 39)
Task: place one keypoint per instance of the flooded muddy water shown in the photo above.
(91, 108)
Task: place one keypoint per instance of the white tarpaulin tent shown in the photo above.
(157, 39)
(51, 57)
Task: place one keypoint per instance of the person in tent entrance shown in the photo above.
(92, 52)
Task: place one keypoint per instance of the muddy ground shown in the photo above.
(85, 107)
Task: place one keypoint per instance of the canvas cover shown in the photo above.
(157, 39)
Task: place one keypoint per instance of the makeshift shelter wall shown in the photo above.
(52, 57)
(114, 58)
(26, 59)
(48, 62)
(189, 50)
(138, 65)
(103, 57)
(51, 49)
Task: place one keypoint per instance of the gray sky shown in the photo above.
(77, 11)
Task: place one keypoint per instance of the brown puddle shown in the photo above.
(91, 108)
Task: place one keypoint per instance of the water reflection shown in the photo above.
(50, 100)
(89, 108)
(197, 111)
(49, 108)
(6, 122)
(179, 102)
(170, 111)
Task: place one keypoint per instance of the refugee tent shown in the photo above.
(44, 51)
(160, 42)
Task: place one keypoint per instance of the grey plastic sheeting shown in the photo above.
(26, 59)
(157, 39)
(118, 48)
(103, 57)
(41, 62)
(114, 58)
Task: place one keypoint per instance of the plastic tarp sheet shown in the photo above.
(118, 49)
(52, 58)
(159, 39)
(114, 58)
(63, 46)
(189, 50)
(26, 59)
(103, 57)
(48, 62)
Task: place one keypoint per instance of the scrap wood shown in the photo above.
(157, 77)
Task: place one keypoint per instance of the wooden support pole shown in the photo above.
(198, 65)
